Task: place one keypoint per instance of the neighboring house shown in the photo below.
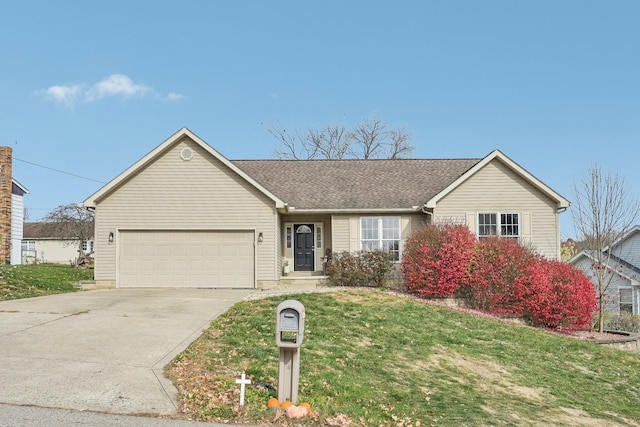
(43, 242)
(185, 216)
(11, 210)
(622, 259)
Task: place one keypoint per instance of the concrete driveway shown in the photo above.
(102, 350)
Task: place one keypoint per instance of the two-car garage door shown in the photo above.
(192, 259)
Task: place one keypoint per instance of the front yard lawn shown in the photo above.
(372, 358)
(25, 281)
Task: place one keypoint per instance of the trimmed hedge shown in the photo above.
(366, 268)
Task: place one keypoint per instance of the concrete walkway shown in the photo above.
(102, 350)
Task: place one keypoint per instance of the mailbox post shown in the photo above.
(289, 333)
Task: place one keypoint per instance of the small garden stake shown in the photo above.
(243, 381)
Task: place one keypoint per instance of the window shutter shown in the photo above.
(525, 228)
(354, 234)
(405, 228)
(471, 222)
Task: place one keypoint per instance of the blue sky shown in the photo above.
(90, 87)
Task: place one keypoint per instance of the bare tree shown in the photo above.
(604, 212)
(370, 139)
(74, 222)
(294, 145)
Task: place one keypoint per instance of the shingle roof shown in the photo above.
(49, 230)
(355, 184)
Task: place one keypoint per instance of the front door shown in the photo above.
(303, 248)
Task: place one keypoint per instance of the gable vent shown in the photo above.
(186, 154)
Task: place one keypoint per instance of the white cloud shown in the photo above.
(113, 85)
(116, 84)
(172, 96)
(64, 94)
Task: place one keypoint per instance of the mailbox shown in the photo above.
(290, 324)
(289, 333)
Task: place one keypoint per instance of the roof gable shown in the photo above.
(103, 192)
(616, 265)
(497, 155)
(627, 247)
(17, 188)
(631, 234)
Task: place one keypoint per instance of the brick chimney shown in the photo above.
(5, 204)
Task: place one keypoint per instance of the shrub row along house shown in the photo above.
(186, 216)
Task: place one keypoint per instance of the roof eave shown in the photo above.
(291, 209)
(22, 187)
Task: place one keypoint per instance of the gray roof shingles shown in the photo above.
(50, 230)
(355, 184)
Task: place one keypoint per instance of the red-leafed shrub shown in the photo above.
(436, 260)
(556, 295)
(497, 276)
(495, 265)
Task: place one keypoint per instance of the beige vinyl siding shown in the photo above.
(173, 194)
(416, 221)
(340, 233)
(278, 246)
(496, 188)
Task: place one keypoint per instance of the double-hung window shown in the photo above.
(381, 233)
(626, 300)
(499, 225)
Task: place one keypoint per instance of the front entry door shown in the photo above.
(303, 248)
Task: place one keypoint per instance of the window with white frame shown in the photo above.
(381, 233)
(87, 246)
(626, 300)
(28, 245)
(499, 225)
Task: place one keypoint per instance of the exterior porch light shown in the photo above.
(111, 237)
(260, 237)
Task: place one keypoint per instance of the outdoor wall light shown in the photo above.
(260, 237)
(111, 237)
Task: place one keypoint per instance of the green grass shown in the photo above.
(384, 360)
(26, 281)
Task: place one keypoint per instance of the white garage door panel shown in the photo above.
(203, 259)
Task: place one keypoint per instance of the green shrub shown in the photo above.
(623, 322)
(367, 268)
